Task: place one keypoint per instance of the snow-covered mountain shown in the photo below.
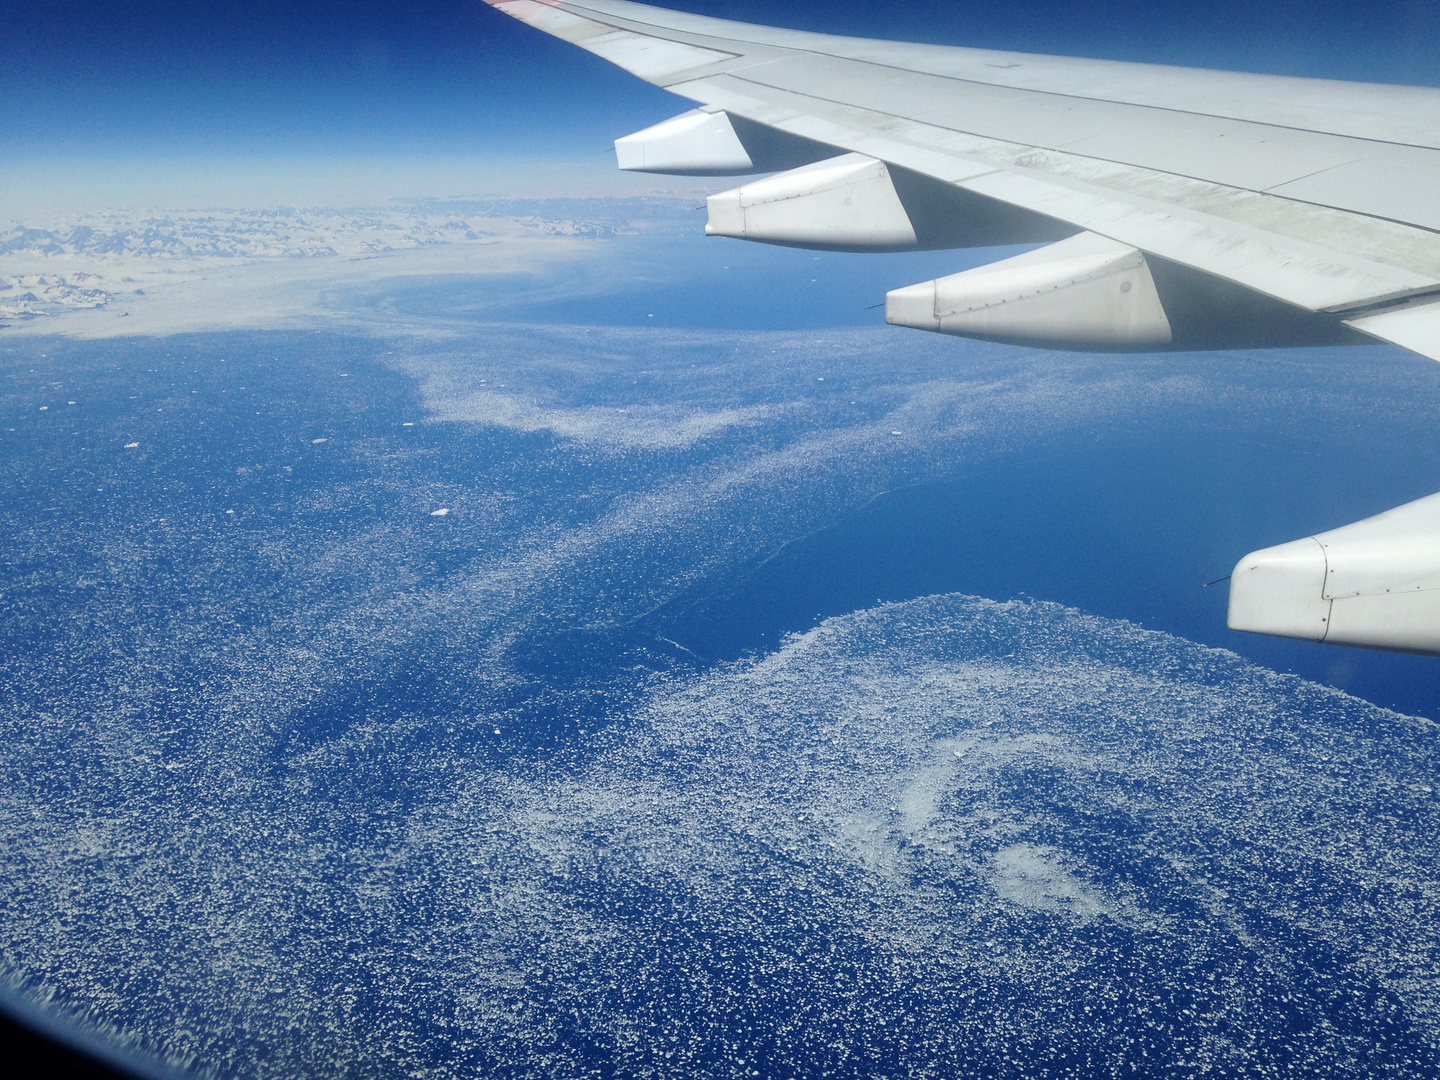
(86, 260)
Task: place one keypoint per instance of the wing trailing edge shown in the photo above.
(1184, 165)
(1414, 326)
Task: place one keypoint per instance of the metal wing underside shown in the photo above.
(1323, 195)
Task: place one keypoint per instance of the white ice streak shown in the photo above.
(648, 427)
(1037, 878)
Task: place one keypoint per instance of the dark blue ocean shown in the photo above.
(699, 679)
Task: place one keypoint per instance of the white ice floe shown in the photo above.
(1036, 877)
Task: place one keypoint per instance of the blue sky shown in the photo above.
(151, 78)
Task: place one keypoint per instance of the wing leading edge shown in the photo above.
(1323, 196)
(1183, 209)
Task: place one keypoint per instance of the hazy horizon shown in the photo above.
(230, 104)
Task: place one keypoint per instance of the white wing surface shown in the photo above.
(1323, 195)
(1182, 209)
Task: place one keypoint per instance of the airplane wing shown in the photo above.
(1180, 208)
(1322, 195)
